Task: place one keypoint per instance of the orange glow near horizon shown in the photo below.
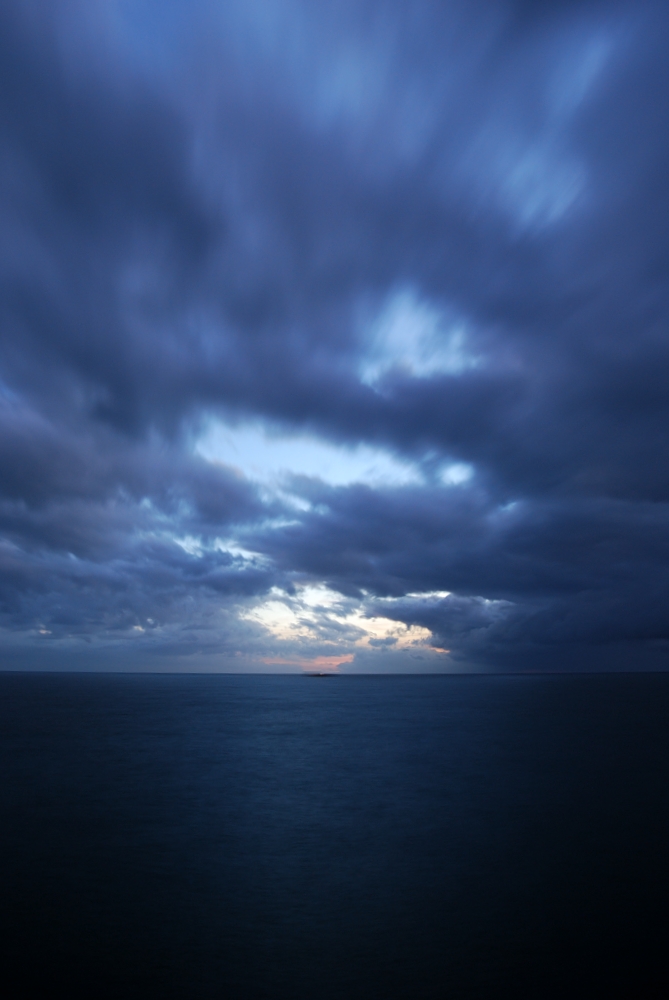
(315, 663)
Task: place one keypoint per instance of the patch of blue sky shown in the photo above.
(268, 457)
(198, 547)
(271, 458)
(412, 334)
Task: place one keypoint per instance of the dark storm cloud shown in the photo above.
(208, 210)
(555, 575)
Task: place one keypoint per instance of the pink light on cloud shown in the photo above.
(314, 663)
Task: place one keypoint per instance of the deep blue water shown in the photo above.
(293, 837)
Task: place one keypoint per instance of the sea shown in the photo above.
(219, 836)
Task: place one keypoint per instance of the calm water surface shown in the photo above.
(293, 837)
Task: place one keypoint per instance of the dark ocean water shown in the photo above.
(293, 837)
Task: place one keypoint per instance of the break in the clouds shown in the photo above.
(333, 335)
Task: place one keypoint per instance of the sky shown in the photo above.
(334, 335)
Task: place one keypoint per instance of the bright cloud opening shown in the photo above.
(269, 457)
(320, 615)
(414, 335)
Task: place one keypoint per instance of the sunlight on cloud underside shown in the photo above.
(318, 614)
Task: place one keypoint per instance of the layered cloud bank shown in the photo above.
(334, 335)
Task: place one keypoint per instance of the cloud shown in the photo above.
(360, 300)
